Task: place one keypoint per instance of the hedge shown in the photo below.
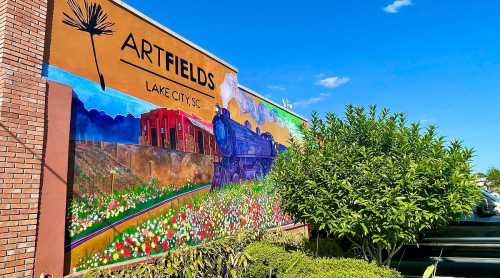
(268, 260)
(250, 254)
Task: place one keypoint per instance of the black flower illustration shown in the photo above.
(92, 20)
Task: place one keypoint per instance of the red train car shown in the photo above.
(177, 130)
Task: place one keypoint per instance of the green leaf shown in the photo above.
(429, 271)
(365, 230)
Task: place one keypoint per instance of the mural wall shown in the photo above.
(156, 123)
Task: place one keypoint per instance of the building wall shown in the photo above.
(105, 108)
(22, 114)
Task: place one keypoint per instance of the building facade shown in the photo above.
(107, 129)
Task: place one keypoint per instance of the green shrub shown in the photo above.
(374, 179)
(289, 241)
(347, 268)
(268, 260)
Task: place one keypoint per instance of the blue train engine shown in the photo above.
(245, 154)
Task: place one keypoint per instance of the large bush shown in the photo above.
(269, 260)
(374, 179)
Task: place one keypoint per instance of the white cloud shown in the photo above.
(309, 101)
(276, 87)
(396, 5)
(333, 82)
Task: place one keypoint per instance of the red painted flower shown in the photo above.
(243, 221)
(183, 215)
(113, 204)
(173, 219)
(129, 241)
(118, 246)
(165, 246)
(190, 206)
(127, 252)
(154, 239)
(202, 234)
(170, 233)
(148, 248)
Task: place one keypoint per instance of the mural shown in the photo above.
(246, 154)
(259, 110)
(162, 136)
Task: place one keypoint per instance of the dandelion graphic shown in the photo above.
(94, 21)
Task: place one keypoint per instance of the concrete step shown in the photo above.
(452, 266)
(461, 241)
(474, 256)
(480, 247)
(450, 250)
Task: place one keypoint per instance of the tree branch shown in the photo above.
(393, 252)
(361, 247)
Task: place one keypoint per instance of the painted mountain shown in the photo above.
(94, 125)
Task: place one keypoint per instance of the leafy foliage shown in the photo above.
(493, 176)
(374, 179)
(273, 261)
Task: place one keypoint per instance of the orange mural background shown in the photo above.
(70, 49)
(280, 132)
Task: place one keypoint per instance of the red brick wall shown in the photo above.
(22, 122)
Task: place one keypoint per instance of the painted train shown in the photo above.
(245, 154)
(239, 153)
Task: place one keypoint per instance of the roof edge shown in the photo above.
(252, 92)
(176, 35)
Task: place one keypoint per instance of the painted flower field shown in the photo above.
(215, 215)
(94, 211)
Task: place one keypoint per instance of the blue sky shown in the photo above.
(437, 61)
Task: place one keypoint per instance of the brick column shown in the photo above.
(22, 124)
